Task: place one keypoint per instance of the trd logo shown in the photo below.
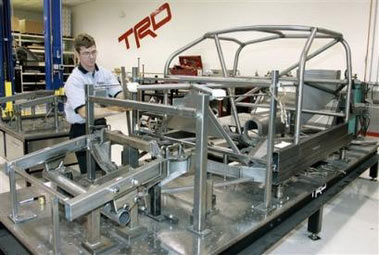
(142, 28)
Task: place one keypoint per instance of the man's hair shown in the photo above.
(83, 40)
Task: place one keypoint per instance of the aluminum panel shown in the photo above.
(14, 147)
(295, 158)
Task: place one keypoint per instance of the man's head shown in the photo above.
(85, 48)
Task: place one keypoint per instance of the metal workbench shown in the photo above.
(25, 130)
(235, 225)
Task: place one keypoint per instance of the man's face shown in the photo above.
(87, 56)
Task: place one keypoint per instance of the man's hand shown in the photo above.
(116, 108)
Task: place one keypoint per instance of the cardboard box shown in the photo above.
(15, 23)
(31, 26)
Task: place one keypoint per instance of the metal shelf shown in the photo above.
(14, 34)
(35, 43)
(41, 73)
(33, 73)
(34, 83)
(42, 51)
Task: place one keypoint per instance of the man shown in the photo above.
(87, 72)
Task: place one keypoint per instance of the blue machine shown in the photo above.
(52, 13)
(6, 58)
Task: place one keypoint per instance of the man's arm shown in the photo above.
(120, 95)
(101, 112)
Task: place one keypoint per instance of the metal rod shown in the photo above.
(156, 108)
(293, 109)
(305, 36)
(165, 97)
(135, 75)
(165, 116)
(40, 156)
(373, 39)
(12, 191)
(271, 140)
(65, 183)
(132, 141)
(26, 95)
(216, 185)
(299, 96)
(230, 91)
(164, 86)
(349, 78)
(232, 82)
(201, 88)
(125, 92)
(221, 56)
(93, 227)
(201, 164)
(33, 180)
(221, 82)
(18, 114)
(90, 121)
(275, 28)
(38, 101)
(55, 105)
(247, 94)
(55, 222)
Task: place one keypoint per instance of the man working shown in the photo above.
(87, 72)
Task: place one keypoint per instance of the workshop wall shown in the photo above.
(108, 20)
(31, 15)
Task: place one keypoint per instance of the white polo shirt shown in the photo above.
(75, 89)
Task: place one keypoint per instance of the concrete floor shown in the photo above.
(350, 222)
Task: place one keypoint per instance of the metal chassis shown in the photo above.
(276, 32)
(308, 33)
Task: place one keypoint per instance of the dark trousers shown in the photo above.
(77, 130)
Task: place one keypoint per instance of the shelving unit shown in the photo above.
(32, 75)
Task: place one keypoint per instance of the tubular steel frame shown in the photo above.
(277, 32)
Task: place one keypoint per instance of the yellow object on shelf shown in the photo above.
(9, 105)
(59, 92)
